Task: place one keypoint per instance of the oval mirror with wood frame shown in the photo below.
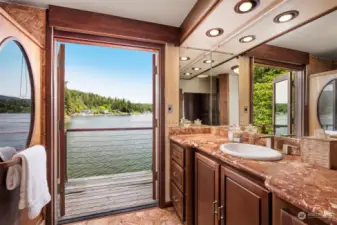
(327, 107)
(16, 96)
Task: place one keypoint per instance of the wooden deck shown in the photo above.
(86, 196)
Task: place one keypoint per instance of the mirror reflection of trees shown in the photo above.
(15, 96)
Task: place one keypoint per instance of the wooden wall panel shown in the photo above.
(106, 25)
(245, 90)
(33, 20)
(316, 84)
(317, 65)
(12, 28)
(224, 98)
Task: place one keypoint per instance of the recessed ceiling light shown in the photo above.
(215, 32)
(236, 69)
(286, 16)
(208, 61)
(184, 58)
(187, 74)
(245, 6)
(202, 76)
(196, 68)
(247, 39)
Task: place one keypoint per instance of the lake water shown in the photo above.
(108, 152)
(14, 129)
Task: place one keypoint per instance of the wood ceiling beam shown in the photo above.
(198, 13)
(80, 21)
(279, 54)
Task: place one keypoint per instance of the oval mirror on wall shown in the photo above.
(327, 106)
(16, 104)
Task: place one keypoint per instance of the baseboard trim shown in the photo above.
(103, 214)
(168, 204)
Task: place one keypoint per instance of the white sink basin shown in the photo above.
(251, 152)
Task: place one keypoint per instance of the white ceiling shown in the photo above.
(319, 38)
(167, 12)
(259, 22)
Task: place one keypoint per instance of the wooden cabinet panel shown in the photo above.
(246, 202)
(242, 206)
(206, 190)
(177, 154)
(177, 175)
(177, 200)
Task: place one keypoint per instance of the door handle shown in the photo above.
(219, 213)
(215, 203)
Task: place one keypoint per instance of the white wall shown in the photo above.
(197, 85)
(233, 99)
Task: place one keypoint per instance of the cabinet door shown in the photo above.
(206, 191)
(245, 202)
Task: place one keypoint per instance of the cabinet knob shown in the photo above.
(175, 199)
(174, 174)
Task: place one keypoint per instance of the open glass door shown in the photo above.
(61, 156)
(282, 105)
(154, 125)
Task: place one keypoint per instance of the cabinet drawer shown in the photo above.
(177, 154)
(177, 175)
(177, 200)
(288, 219)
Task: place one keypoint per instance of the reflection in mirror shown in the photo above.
(281, 107)
(327, 108)
(209, 94)
(15, 96)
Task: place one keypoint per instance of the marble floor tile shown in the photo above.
(153, 216)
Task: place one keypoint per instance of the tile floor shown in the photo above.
(153, 216)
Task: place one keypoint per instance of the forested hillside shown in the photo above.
(76, 101)
(10, 104)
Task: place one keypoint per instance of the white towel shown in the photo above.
(13, 177)
(34, 193)
(7, 153)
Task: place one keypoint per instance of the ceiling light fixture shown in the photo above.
(247, 39)
(196, 68)
(184, 58)
(286, 16)
(208, 61)
(236, 69)
(214, 32)
(202, 76)
(245, 6)
(187, 74)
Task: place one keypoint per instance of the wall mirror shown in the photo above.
(327, 106)
(16, 96)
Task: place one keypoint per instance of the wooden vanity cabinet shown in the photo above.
(243, 201)
(181, 181)
(206, 190)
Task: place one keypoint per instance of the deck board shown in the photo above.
(87, 196)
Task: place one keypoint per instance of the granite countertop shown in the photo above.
(311, 188)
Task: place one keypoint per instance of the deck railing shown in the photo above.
(106, 151)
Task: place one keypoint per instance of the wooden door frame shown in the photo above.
(56, 35)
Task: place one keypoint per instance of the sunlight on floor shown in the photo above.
(154, 216)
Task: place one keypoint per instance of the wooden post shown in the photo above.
(224, 98)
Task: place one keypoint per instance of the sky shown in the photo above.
(110, 72)
(13, 67)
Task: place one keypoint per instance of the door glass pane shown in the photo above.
(281, 107)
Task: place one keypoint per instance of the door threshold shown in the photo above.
(103, 214)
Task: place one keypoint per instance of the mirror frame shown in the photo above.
(317, 102)
(31, 81)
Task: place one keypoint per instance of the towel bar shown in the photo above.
(4, 167)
